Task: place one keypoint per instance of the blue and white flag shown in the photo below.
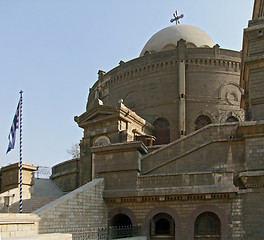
(14, 127)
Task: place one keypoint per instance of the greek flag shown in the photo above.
(14, 127)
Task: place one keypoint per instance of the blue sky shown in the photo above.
(53, 49)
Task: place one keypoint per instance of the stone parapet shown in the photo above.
(186, 145)
(10, 176)
(66, 175)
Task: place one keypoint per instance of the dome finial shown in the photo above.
(176, 18)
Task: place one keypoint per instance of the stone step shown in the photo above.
(30, 205)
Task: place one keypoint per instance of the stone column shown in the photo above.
(181, 48)
(182, 103)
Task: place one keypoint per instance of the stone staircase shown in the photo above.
(30, 205)
(44, 192)
(190, 143)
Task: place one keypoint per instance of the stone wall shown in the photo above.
(10, 177)
(66, 175)
(186, 145)
(252, 67)
(118, 164)
(18, 225)
(184, 213)
(82, 208)
(10, 183)
(25, 227)
(255, 153)
(256, 88)
(253, 214)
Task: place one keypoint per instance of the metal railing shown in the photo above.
(43, 172)
(105, 233)
(82, 233)
(119, 232)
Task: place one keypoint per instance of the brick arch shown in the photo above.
(122, 210)
(208, 208)
(163, 209)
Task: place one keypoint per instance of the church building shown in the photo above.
(167, 133)
(173, 140)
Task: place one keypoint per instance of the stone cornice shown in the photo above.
(25, 166)
(222, 58)
(120, 147)
(132, 74)
(168, 194)
(252, 179)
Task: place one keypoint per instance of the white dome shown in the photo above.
(167, 38)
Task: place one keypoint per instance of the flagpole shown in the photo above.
(20, 161)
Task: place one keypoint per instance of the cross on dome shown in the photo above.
(176, 18)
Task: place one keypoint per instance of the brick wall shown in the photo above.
(81, 208)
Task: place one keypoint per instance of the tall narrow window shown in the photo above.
(207, 226)
(162, 131)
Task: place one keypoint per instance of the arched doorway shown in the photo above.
(117, 215)
(162, 226)
(162, 131)
(207, 226)
(121, 220)
(120, 226)
(162, 220)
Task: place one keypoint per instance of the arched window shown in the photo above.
(162, 225)
(202, 121)
(207, 226)
(162, 131)
(102, 141)
(231, 119)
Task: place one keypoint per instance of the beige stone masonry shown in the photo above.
(18, 225)
(81, 208)
(51, 236)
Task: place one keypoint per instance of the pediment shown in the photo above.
(97, 114)
(102, 113)
(100, 116)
